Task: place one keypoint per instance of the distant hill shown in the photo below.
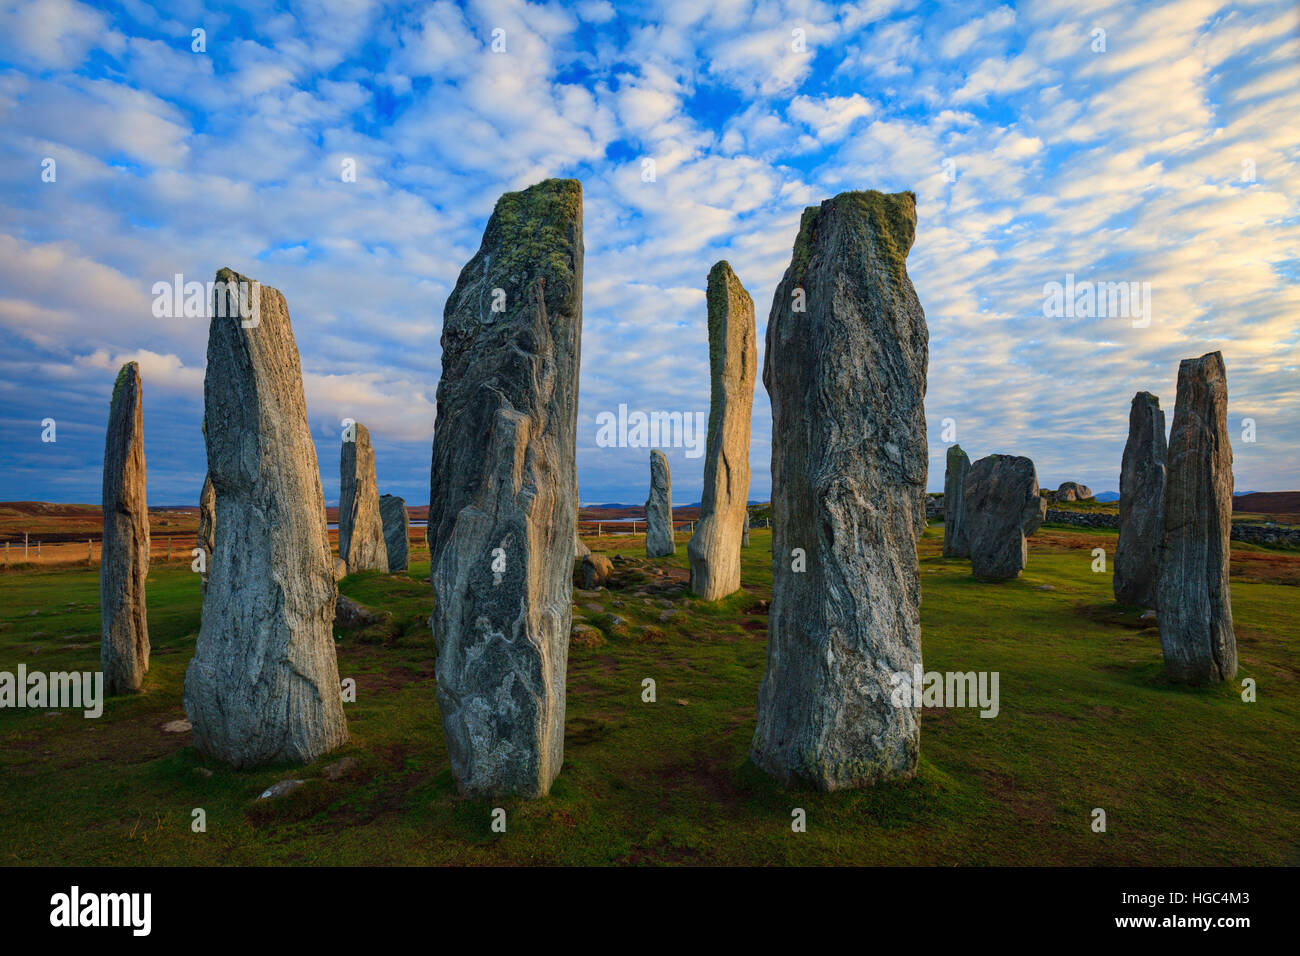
(1108, 496)
(1284, 506)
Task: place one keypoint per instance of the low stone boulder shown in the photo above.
(595, 572)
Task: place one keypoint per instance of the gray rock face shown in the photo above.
(744, 531)
(1002, 507)
(955, 543)
(263, 686)
(1192, 593)
(847, 380)
(124, 564)
(1073, 491)
(397, 531)
(659, 509)
(361, 527)
(207, 526)
(1141, 503)
(714, 548)
(502, 493)
(1034, 516)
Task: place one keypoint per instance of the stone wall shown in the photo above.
(1268, 534)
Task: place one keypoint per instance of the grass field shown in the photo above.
(1186, 776)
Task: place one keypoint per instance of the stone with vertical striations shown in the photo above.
(207, 527)
(580, 550)
(397, 531)
(1002, 507)
(1141, 503)
(263, 686)
(502, 494)
(714, 548)
(124, 562)
(1193, 598)
(847, 380)
(955, 543)
(744, 531)
(361, 527)
(659, 541)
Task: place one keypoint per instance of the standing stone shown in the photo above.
(659, 541)
(1141, 503)
(361, 527)
(714, 548)
(1193, 599)
(845, 366)
(580, 550)
(1002, 507)
(1073, 491)
(502, 493)
(744, 531)
(207, 527)
(397, 531)
(124, 562)
(263, 686)
(955, 543)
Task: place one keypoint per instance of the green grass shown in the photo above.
(1186, 776)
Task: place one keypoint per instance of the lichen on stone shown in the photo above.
(127, 369)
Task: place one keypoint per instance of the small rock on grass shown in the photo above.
(280, 789)
(177, 727)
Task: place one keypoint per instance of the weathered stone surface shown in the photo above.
(207, 527)
(1034, 516)
(1141, 503)
(124, 564)
(580, 550)
(504, 477)
(596, 571)
(1002, 506)
(955, 543)
(263, 686)
(361, 527)
(659, 509)
(744, 531)
(847, 380)
(714, 548)
(340, 570)
(1073, 491)
(1192, 594)
(397, 531)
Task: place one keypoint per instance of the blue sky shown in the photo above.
(1112, 142)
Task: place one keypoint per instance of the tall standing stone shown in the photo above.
(714, 548)
(845, 366)
(207, 527)
(659, 541)
(955, 543)
(1192, 595)
(124, 563)
(744, 531)
(361, 527)
(502, 493)
(397, 531)
(263, 686)
(1141, 503)
(1003, 506)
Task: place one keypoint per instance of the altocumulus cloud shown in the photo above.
(1042, 141)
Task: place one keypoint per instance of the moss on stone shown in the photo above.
(127, 369)
(527, 228)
